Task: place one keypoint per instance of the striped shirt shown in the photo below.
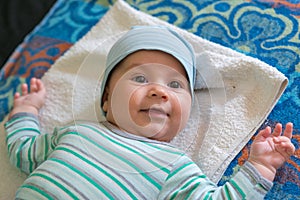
(98, 161)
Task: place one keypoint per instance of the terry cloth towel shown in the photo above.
(236, 92)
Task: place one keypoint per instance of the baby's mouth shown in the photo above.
(155, 112)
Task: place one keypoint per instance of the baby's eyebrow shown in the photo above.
(131, 66)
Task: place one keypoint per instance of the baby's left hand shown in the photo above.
(30, 100)
(270, 151)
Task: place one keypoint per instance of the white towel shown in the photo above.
(238, 91)
(241, 90)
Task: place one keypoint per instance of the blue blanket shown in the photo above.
(265, 29)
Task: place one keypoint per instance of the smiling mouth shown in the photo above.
(155, 112)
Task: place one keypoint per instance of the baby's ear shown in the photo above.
(105, 100)
(104, 106)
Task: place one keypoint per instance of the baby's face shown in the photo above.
(148, 95)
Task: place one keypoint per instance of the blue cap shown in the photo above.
(152, 38)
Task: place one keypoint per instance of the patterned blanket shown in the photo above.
(265, 29)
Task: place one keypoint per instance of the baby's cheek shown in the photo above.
(134, 108)
(120, 102)
(181, 106)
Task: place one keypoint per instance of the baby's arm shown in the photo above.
(27, 147)
(252, 181)
(31, 100)
(269, 150)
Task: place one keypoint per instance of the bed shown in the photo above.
(264, 29)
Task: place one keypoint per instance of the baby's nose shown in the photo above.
(157, 91)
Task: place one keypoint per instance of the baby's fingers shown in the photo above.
(24, 89)
(263, 134)
(17, 95)
(284, 146)
(36, 85)
(277, 130)
(288, 132)
(40, 85)
(33, 85)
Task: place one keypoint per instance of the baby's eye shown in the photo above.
(175, 84)
(140, 79)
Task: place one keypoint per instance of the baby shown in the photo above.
(146, 96)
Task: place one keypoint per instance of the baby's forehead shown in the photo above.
(145, 60)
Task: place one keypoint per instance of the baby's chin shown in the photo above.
(156, 132)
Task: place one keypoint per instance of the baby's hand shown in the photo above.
(30, 101)
(270, 151)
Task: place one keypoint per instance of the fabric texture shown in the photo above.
(95, 161)
(229, 105)
(267, 30)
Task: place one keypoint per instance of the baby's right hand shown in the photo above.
(30, 101)
(269, 150)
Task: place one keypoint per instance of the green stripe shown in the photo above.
(53, 142)
(19, 153)
(226, 191)
(178, 169)
(100, 169)
(46, 148)
(128, 148)
(19, 130)
(191, 191)
(29, 154)
(207, 196)
(82, 175)
(238, 188)
(184, 186)
(61, 135)
(149, 179)
(38, 191)
(8, 147)
(11, 121)
(56, 184)
(168, 150)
